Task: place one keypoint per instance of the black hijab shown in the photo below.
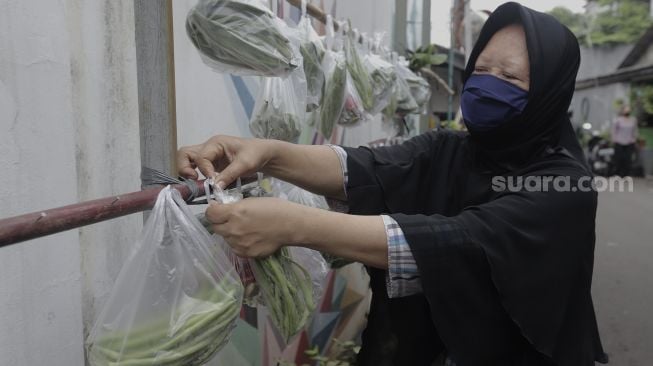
(544, 127)
(506, 275)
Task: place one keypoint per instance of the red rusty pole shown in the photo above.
(36, 224)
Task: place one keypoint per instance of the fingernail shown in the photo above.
(221, 184)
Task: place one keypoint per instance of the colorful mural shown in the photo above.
(341, 315)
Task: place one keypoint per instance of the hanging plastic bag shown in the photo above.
(383, 81)
(280, 109)
(312, 51)
(406, 103)
(334, 66)
(175, 301)
(359, 74)
(353, 111)
(241, 37)
(382, 73)
(301, 196)
(289, 282)
(419, 88)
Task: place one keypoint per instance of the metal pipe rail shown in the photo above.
(41, 223)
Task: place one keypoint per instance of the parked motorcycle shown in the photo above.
(600, 155)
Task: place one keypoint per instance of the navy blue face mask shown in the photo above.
(488, 101)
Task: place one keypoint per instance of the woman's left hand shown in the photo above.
(256, 227)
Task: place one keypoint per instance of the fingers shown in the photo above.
(209, 154)
(186, 158)
(218, 214)
(231, 173)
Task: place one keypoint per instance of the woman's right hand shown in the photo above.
(231, 157)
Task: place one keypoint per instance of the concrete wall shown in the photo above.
(598, 61)
(601, 104)
(69, 132)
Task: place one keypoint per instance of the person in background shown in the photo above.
(458, 270)
(624, 135)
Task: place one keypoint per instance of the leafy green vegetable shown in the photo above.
(240, 36)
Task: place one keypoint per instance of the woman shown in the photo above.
(458, 266)
(624, 135)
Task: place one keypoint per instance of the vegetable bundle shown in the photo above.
(383, 78)
(240, 36)
(312, 51)
(175, 302)
(359, 74)
(333, 100)
(287, 290)
(288, 282)
(279, 110)
(195, 341)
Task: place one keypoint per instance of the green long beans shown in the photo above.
(194, 342)
(287, 290)
(333, 100)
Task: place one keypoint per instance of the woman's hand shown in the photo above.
(256, 227)
(233, 157)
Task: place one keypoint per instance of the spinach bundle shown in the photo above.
(240, 36)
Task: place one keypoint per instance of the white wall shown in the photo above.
(68, 132)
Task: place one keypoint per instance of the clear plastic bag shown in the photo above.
(359, 74)
(354, 110)
(406, 103)
(175, 301)
(301, 196)
(241, 37)
(288, 283)
(334, 66)
(419, 88)
(383, 77)
(280, 109)
(312, 51)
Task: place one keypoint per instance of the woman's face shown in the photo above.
(506, 57)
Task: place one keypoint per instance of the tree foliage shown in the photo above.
(615, 22)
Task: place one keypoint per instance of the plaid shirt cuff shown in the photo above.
(402, 277)
(334, 204)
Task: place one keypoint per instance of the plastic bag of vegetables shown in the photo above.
(241, 37)
(406, 103)
(359, 74)
(288, 283)
(280, 109)
(175, 301)
(354, 110)
(312, 51)
(292, 193)
(334, 66)
(383, 77)
(419, 88)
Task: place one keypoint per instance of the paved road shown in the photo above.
(623, 274)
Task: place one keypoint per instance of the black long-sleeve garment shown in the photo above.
(506, 275)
